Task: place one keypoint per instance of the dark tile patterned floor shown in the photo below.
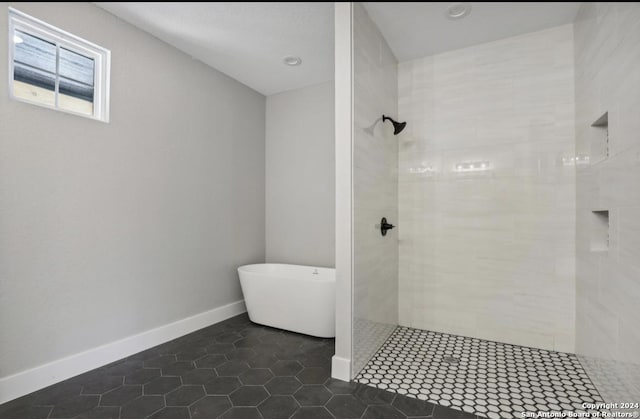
(234, 369)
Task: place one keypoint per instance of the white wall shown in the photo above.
(490, 254)
(607, 56)
(375, 189)
(341, 365)
(300, 177)
(108, 230)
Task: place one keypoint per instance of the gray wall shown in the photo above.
(108, 230)
(300, 187)
(607, 59)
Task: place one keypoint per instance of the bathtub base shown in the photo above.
(296, 298)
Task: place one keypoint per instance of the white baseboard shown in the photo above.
(25, 382)
(341, 368)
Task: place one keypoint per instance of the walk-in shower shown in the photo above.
(515, 254)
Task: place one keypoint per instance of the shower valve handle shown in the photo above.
(384, 226)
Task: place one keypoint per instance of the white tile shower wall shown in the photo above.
(607, 58)
(487, 191)
(375, 190)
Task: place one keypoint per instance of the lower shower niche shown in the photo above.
(600, 231)
(481, 377)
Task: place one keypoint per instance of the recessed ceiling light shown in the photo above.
(458, 10)
(292, 60)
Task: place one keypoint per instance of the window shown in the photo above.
(52, 68)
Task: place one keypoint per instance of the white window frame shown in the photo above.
(63, 39)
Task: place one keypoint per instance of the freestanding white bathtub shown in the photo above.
(292, 297)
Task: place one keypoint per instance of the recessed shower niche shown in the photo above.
(600, 231)
(600, 139)
(599, 145)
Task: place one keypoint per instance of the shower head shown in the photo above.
(397, 126)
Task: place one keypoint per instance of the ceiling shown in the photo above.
(415, 30)
(246, 41)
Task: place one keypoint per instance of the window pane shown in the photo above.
(75, 82)
(34, 52)
(34, 76)
(76, 67)
(75, 89)
(32, 93)
(34, 66)
(75, 96)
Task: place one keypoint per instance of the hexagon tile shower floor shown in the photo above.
(490, 379)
